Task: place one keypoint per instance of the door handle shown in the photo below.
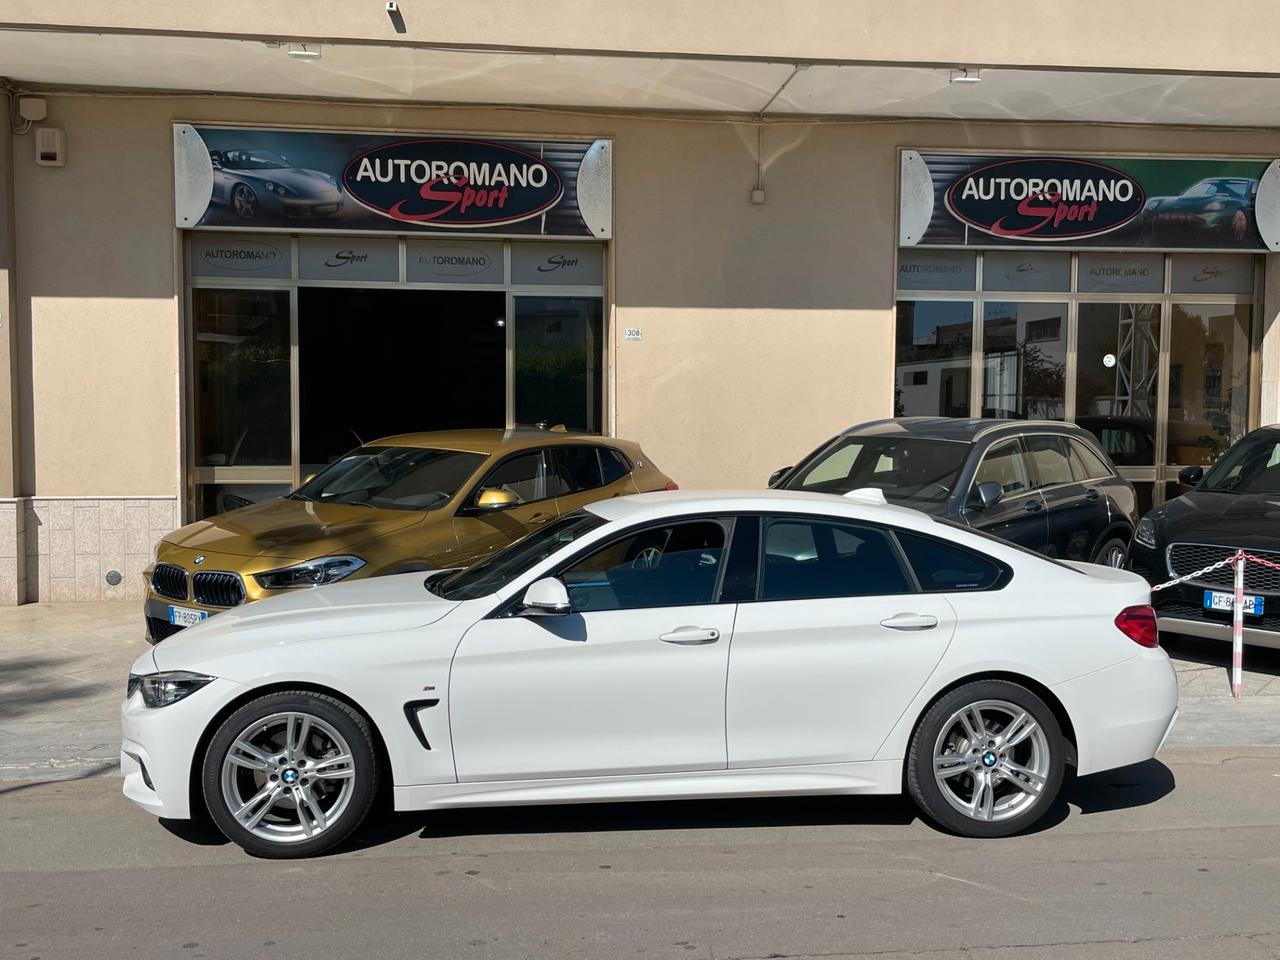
(1092, 495)
(910, 621)
(690, 636)
(1033, 506)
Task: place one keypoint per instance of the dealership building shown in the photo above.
(235, 244)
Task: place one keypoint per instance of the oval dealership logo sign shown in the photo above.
(1045, 199)
(452, 183)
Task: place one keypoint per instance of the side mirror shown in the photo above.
(776, 477)
(547, 597)
(989, 494)
(1190, 476)
(493, 498)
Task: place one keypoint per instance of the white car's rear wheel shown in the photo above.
(290, 774)
(987, 759)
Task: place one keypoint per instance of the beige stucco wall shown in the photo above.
(1237, 37)
(766, 328)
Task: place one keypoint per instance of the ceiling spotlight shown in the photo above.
(965, 75)
(304, 51)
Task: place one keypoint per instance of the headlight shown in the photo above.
(278, 188)
(1215, 206)
(313, 573)
(1146, 533)
(162, 689)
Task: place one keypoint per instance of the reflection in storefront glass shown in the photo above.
(1024, 360)
(1117, 367)
(242, 377)
(1208, 380)
(222, 497)
(933, 355)
(557, 361)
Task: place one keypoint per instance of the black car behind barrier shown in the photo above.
(1044, 485)
(1236, 505)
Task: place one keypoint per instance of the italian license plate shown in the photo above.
(185, 616)
(1218, 600)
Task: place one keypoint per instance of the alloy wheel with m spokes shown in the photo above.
(288, 777)
(991, 760)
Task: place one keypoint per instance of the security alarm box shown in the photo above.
(51, 147)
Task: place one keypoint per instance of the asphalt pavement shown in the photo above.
(1178, 857)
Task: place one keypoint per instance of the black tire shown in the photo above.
(1112, 544)
(924, 787)
(349, 723)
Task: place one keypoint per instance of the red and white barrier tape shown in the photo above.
(1237, 561)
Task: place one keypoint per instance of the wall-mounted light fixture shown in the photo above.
(966, 75)
(304, 51)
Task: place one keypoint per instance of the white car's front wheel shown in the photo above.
(987, 759)
(290, 774)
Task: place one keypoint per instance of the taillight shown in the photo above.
(671, 485)
(1139, 625)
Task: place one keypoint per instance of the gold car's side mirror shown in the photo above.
(494, 498)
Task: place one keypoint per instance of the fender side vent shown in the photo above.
(411, 714)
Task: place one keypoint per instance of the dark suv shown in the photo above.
(1045, 485)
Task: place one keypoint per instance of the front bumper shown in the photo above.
(158, 746)
(1180, 609)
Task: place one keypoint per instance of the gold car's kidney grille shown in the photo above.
(217, 589)
(169, 581)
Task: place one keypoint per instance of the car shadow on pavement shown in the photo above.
(1215, 653)
(32, 684)
(1120, 789)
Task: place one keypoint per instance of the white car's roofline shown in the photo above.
(660, 504)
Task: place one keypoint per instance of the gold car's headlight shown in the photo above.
(313, 573)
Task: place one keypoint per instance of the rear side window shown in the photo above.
(809, 559)
(578, 468)
(1087, 465)
(943, 567)
(613, 465)
(1049, 460)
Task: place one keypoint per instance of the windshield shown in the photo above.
(392, 478)
(1251, 466)
(497, 570)
(254, 160)
(909, 470)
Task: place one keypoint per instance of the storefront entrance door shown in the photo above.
(377, 362)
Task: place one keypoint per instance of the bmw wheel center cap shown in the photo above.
(989, 759)
(290, 776)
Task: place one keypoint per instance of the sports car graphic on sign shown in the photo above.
(1218, 206)
(255, 183)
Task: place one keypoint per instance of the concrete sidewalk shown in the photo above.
(63, 668)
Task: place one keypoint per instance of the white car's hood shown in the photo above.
(377, 605)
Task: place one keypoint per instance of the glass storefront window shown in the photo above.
(221, 497)
(558, 376)
(1117, 367)
(1212, 273)
(933, 355)
(1120, 273)
(1032, 271)
(1024, 360)
(1208, 380)
(937, 270)
(241, 377)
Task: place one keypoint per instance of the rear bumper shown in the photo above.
(1217, 631)
(1123, 713)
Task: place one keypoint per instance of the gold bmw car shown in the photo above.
(419, 501)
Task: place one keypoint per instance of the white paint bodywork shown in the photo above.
(794, 697)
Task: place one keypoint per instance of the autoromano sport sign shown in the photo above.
(1121, 202)
(251, 178)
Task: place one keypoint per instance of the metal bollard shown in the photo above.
(1237, 626)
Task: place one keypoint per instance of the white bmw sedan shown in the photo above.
(660, 646)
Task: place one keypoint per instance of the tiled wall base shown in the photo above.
(64, 547)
